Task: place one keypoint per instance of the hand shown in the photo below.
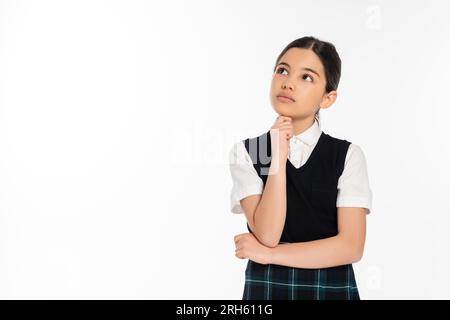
(248, 247)
(280, 133)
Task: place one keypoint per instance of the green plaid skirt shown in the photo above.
(276, 282)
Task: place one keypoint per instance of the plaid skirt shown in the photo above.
(276, 282)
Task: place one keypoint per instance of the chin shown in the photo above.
(284, 111)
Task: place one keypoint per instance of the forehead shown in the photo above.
(299, 58)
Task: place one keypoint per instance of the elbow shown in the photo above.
(355, 258)
(269, 242)
(353, 248)
(267, 238)
(356, 254)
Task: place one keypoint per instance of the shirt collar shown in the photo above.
(310, 135)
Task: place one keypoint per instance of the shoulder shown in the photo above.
(239, 150)
(335, 140)
(336, 147)
(355, 154)
(264, 136)
(353, 148)
(237, 153)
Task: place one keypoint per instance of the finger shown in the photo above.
(283, 122)
(286, 128)
(238, 236)
(283, 127)
(281, 119)
(288, 134)
(284, 119)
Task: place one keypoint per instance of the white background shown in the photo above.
(117, 117)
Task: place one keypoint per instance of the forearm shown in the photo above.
(270, 215)
(323, 253)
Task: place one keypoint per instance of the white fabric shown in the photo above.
(353, 184)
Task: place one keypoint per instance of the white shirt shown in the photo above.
(353, 184)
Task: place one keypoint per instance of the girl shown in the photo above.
(305, 194)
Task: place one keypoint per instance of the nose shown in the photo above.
(287, 84)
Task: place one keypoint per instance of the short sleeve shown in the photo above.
(244, 177)
(353, 184)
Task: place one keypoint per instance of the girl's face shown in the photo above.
(300, 75)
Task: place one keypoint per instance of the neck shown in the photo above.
(301, 125)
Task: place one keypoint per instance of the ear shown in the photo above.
(328, 99)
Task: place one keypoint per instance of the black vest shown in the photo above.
(311, 190)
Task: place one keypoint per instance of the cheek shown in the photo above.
(309, 92)
(274, 85)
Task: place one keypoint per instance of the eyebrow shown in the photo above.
(305, 68)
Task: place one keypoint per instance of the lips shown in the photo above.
(285, 97)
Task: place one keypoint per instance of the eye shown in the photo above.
(280, 68)
(308, 76)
